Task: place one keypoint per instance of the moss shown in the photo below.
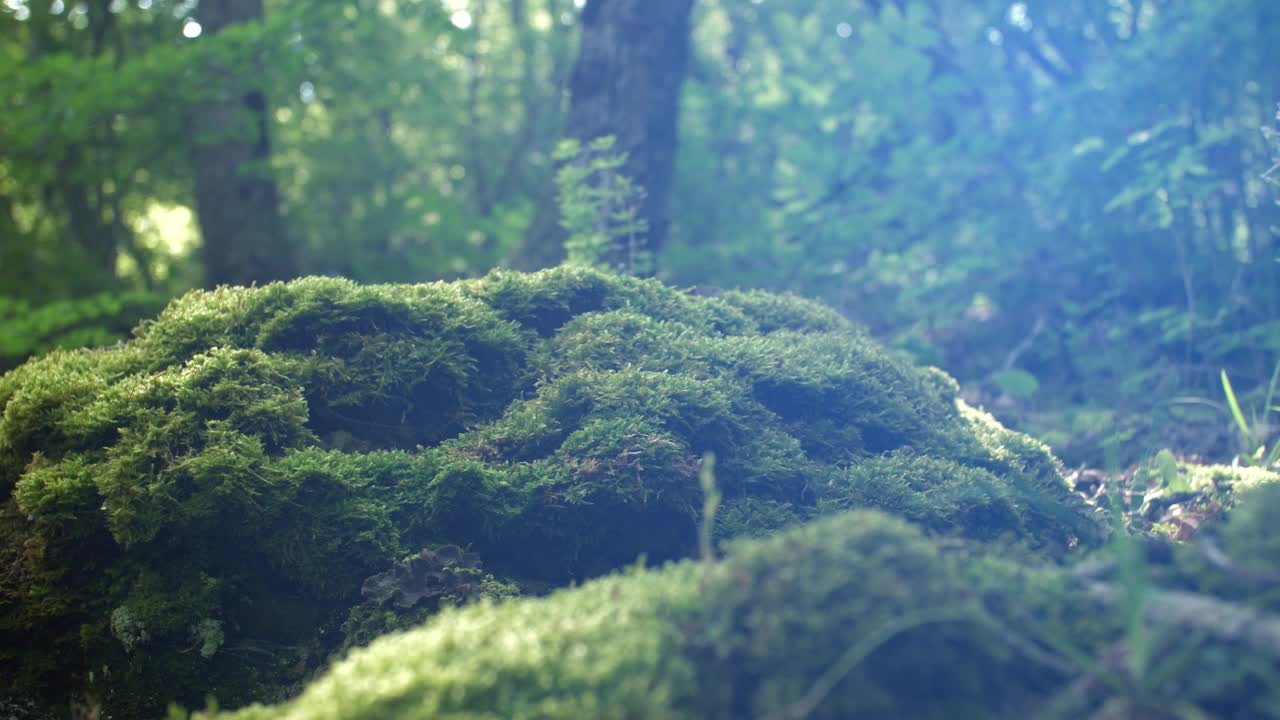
(1250, 533)
(42, 398)
(747, 638)
(261, 451)
(749, 516)
(1223, 481)
(938, 494)
(371, 620)
(191, 442)
(544, 301)
(854, 615)
(391, 364)
(778, 615)
(1241, 559)
(772, 312)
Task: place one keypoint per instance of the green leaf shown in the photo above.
(1088, 145)
(1166, 468)
(1015, 382)
(1241, 423)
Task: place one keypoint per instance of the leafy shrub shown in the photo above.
(87, 322)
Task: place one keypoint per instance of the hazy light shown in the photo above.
(844, 30)
(994, 36)
(56, 7)
(144, 4)
(79, 16)
(1018, 16)
(461, 19)
(191, 29)
(117, 6)
(307, 91)
(579, 3)
(18, 8)
(168, 228)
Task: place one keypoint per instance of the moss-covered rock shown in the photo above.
(255, 454)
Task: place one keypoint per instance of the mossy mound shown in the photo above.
(196, 510)
(739, 640)
(854, 615)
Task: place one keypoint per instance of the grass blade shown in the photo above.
(1236, 413)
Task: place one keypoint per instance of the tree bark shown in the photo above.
(237, 202)
(626, 83)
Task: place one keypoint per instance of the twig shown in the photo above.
(1073, 700)
(1025, 345)
(1030, 649)
(859, 652)
(1213, 553)
(1219, 619)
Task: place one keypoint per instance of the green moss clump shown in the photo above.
(255, 453)
(1223, 481)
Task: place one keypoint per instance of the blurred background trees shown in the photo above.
(625, 85)
(1060, 202)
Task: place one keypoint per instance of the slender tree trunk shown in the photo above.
(237, 203)
(626, 83)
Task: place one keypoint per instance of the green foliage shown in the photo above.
(381, 174)
(411, 147)
(1018, 383)
(1254, 433)
(1166, 468)
(1068, 191)
(1071, 191)
(88, 322)
(599, 207)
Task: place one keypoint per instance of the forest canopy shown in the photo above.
(1063, 204)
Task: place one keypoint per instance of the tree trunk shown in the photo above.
(626, 83)
(237, 203)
